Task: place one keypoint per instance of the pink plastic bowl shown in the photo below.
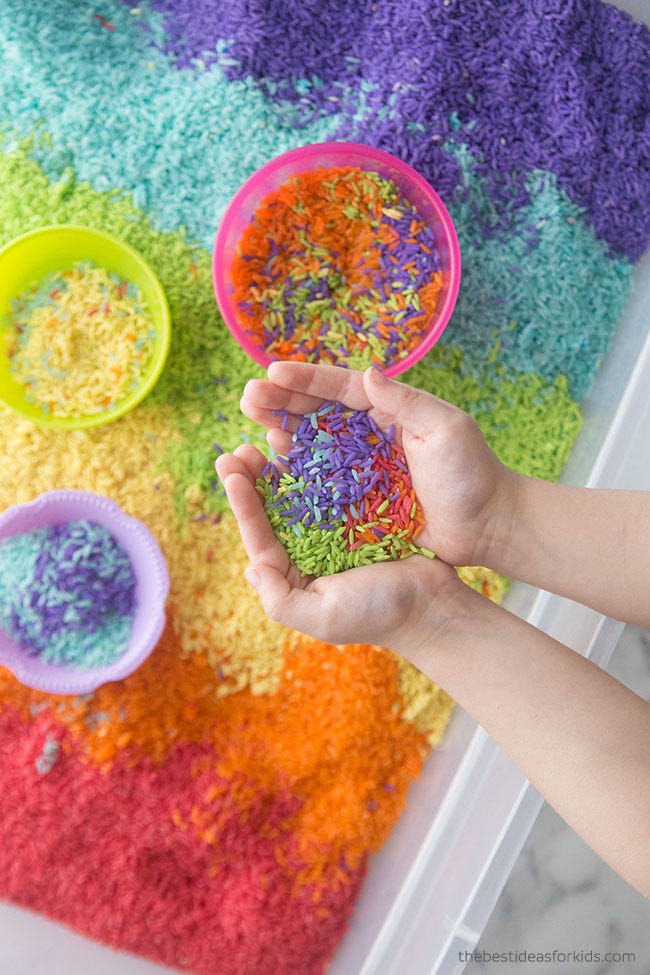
(273, 174)
(152, 587)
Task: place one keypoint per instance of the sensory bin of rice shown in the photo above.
(337, 266)
(216, 810)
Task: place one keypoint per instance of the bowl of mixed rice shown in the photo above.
(84, 327)
(337, 253)
(83, 588)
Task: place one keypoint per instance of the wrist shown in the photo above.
(443, 613)
(530, 549)
(453, 649)
(506, 522)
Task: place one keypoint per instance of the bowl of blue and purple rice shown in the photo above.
(83, 587)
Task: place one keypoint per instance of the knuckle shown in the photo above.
(457, 423)
(409, 395)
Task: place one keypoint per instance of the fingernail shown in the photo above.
(376, 374)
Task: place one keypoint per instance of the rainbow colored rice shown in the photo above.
(346, 497)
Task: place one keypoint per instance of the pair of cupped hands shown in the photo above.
(466, 494)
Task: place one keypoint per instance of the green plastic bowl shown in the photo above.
(32, 257)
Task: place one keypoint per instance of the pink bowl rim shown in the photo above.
(58, 678)
(309, 153)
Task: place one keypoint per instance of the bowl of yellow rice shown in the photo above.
(84, 327)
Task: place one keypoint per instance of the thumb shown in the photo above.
(416, 411)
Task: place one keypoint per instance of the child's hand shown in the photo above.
(394, 604)
(498, 667)
(466, 494)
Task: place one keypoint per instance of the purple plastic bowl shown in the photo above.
(152, 587)
(273, 174)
